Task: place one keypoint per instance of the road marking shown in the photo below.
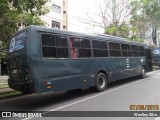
(58, 108)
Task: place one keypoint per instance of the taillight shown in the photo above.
(46, 83)
(27, 72)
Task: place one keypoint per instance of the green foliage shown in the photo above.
(119, 30)
(145, 15)
(111, 30)
(17, 13)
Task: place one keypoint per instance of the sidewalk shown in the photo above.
(3, 77)
(5, 90)
(3, 81)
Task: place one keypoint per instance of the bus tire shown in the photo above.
(143, 72)
(100, 82)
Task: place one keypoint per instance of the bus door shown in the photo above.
(149, 58)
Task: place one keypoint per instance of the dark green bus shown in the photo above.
(156, 56)
(44, 60)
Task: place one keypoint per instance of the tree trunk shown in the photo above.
(154, 35)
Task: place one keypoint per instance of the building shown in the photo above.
(58, 14)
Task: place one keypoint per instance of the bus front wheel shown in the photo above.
(143, 72)
(100, 82)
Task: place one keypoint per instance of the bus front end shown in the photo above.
(18, 70)
(156, 56)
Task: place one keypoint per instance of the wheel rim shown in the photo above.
(101, 82)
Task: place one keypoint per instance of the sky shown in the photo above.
(78, 19)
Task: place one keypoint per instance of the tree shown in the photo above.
(112, 16)
(138, 21)
(17, 13)
(144, 17)
(152, 11)
(118, 30)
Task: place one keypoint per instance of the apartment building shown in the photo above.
(58, 15)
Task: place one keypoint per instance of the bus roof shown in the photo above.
(83, 35)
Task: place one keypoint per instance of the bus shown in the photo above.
(45, 60)
(156, 56)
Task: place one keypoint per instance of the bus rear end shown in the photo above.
(17, 64)
(156, 56)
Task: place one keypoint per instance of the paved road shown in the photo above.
(118, 97)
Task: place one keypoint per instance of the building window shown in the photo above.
(55, 24)
(56, 8)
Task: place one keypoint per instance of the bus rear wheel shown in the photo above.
(100, 82)
(143, 72)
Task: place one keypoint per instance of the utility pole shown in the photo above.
(65, 15)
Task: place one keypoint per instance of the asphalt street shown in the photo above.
(117, 97)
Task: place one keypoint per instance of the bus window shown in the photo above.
(126, 51)
(135, 50)
(100, 48)
(96, 49)
(141, 50)
(80, 48)
(103, 48)
(114, 49)
(54, 46)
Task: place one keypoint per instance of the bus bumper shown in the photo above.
(25, 87)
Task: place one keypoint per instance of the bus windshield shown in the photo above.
(17, 42)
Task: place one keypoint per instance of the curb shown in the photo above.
(5, 90)
(3, 77)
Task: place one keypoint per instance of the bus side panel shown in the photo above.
(135, 66)
(119, 68)
(65, 74)
(33, 53)
(115, 68)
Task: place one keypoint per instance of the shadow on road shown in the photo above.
(38, 102)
